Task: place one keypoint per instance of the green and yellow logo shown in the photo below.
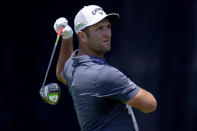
(79, 26)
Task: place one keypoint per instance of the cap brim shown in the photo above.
(112, 17)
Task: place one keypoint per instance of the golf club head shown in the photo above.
(50, 93)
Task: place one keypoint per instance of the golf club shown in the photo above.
(51, 92)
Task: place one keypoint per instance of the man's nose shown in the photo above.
(107, 32)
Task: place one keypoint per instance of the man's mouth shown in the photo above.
(107, 42)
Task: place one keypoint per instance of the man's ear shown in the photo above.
(82, 36)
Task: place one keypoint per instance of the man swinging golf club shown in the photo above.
(102, 95)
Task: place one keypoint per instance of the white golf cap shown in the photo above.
(90, 15)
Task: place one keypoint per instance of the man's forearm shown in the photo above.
(65, 52)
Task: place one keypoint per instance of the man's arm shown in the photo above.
(144, 101)
(65, 52)
(66, 46)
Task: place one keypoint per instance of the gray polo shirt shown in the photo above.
(99, 93)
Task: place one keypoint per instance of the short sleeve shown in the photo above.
(112, 83)
(68, 71)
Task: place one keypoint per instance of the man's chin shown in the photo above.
(107, 50)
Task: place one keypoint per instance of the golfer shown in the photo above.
(100, 92)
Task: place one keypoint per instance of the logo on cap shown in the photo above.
(99, 10)
(79, 26)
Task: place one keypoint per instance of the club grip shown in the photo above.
(60, 30)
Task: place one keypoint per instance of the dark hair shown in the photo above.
(86, 31)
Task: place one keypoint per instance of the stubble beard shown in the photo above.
(100, 49)
(104, 48)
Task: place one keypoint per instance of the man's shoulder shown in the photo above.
(109, 70)
(108, 73)
(102, 70)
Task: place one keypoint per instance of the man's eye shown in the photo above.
(99, 28)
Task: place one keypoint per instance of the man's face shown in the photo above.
(100, 37)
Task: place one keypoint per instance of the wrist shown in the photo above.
(66, 37)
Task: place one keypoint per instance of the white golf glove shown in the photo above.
(67, 31)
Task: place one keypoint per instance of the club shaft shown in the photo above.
(54, 48)
(130, 110)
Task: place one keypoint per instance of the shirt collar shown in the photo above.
(87, 58)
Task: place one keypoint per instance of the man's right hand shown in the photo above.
(67, 31)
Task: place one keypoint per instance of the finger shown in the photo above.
(62, 21)
(67, 29)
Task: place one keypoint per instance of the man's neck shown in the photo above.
(82, 52)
